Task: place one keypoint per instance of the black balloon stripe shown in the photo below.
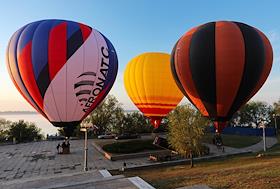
(43, 80)
(254, 63)
(82, 83)
(202, 65)
(82, 92)
(87, 73)
(174, 72)
(74, 43)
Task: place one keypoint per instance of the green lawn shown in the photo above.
(238, 172)
(275, 148)
(234, 141)
(132, 146)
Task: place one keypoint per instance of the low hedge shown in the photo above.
(127, 147)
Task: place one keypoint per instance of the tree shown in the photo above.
(75, 132)
(186, 128)
(107, 115)
(276, 113)
(133, 123)
(4, 128)
(252, 114)
(276, 107)
(24, 131)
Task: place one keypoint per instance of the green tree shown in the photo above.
(108, 114)
(24, 131)
(276, 113)
(186, 129)
(75, 132)
(133, 123)
(4, 128)
(276, 107)
(252, 114)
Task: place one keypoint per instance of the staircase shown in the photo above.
(81, 180)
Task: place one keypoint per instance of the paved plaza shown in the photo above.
(40, 160)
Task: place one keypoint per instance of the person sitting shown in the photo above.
(64, 146)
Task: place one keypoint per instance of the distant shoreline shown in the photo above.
(18, 112)
(33, 112)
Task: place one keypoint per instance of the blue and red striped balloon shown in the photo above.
(64, 69)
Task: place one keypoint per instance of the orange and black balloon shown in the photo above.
(220, 65)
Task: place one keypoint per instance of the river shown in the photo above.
(38, 119)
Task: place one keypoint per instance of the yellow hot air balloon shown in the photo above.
(150, 85)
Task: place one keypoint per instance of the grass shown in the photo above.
(275, 149)
(235, 141)
(237, 172)
(132, 146)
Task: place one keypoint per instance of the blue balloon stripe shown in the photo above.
(26, 35)
(12, 52)
(40, 47)
(113, 63)
(72, 27)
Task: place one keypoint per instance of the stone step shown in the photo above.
(53, 179)
(101, 179)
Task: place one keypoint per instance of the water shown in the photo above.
(45, 126)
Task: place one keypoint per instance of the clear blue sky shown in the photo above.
(137, 26)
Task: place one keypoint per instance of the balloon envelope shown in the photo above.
(149, 84)
(64, 69)
(219, 66)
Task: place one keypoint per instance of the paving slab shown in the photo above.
(41, 158)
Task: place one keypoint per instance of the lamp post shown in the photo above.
(262, 125)
(85, 127)
(275, 122)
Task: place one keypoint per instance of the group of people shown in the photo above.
(63, 148)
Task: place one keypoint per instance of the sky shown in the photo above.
(138, 26)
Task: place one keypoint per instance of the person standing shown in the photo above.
(58, 148)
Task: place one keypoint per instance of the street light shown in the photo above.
(262, 125)
(85, 127)
(275, 122)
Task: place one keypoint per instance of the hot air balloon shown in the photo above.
(220, 65)
(64, 69)
(149, 84)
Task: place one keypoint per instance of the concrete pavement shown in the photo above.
(40, 159)
(79, 180)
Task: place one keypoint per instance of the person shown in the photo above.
(124, 166)
(63, 146)
(58, 148)
(219, 141)
(68, 146)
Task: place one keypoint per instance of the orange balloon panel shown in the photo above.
(149, 84)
